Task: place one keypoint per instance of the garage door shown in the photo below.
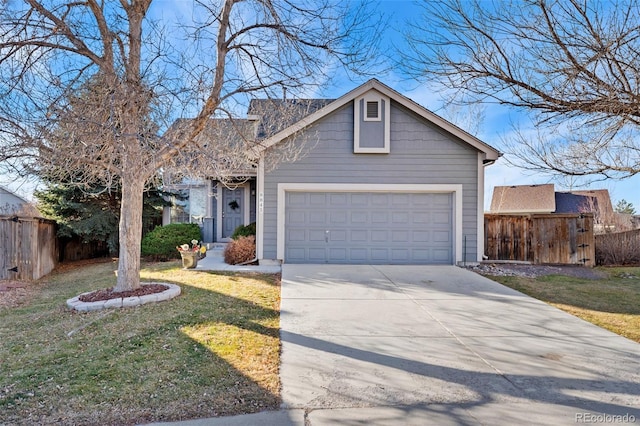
(362, 227)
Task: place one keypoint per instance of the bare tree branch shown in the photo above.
(87, 88)
(571, 65)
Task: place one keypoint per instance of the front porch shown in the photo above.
(219, 208)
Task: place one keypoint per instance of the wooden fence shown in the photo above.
(620, 248)
(540, 239)
(28, 248)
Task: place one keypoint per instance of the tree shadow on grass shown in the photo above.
(203, 354)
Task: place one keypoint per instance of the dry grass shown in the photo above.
(212, 351)
(612, 302)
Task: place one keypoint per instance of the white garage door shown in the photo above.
(369, 228)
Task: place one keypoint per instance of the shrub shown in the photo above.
(244, 231)
(161, 243)
(620, 248)
(240, 250)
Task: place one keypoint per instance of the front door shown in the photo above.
(232, 210)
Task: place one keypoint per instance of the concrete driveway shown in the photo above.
(440, 345)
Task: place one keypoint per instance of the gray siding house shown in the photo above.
(386, 182)
(382, 180)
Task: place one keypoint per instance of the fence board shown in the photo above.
(541, 239)
(28, 249)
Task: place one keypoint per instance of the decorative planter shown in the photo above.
(189, 259)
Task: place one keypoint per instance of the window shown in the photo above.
(372, 111)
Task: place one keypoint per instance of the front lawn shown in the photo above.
(612, 302)
(212, 351)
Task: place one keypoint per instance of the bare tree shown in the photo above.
(142, 74)
(573, 65)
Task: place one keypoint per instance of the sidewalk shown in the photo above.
(215, 262)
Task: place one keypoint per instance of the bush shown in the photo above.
(240, 250)
(161, 243)
(244, 231)
(620, 248)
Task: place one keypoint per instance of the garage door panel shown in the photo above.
(379, 236)
(420, 237)
(380, 200)
(317, 217)
(296, 217)
(441, 255)
(338, 236)
(400, 236)
(296, 235)
(298, 199)
(443, 218)
(358, 217)
(317, 199)
(339, 200)
(317, 255)
(317, 235)
(379, 254)
(358, 255)
(359, 236)
(383, 228)
(441, 236)
(338, 217)
(359, 200)
(400, 255)
(379, 217)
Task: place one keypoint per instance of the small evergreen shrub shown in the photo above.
(240, 250)
(161, 243)
(244, 231)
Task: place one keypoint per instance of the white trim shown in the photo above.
(480, 231)
(260, 210)
(219, 188)
(372, 95)
(247, 203)
(283, 188)
(491, 153)
(370, 99)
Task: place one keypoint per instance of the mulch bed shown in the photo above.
(108, 294)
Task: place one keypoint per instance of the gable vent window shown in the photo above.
(373, 110)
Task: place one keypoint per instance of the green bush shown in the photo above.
(244, 231)
(161, 243)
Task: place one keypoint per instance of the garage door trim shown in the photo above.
(455, 189)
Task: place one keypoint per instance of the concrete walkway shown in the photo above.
(214, 261)
(427, 345)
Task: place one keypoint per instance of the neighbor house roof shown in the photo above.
(523, 199)
(603, 201)
(491, 154)
(570, 202)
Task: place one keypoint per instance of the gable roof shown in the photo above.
(491, 154)
(602, 200)
(523, 198)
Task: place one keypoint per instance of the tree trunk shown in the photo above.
(130, 232)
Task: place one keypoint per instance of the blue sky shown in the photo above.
(491, 129)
